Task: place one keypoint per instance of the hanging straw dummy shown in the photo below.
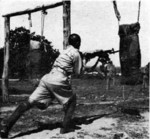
(130, 55)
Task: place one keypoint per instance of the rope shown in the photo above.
(118, 14)
(30, 22)
(43, 14)
(42, 22)
(116, 11)
(30, 25)
(139, 11)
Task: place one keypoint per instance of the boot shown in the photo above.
(5, 128)
(69, 109)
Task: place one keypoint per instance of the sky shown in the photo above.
(93, 20)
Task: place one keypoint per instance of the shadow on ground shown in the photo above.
(76, 121)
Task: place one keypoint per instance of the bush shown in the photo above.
(20, 48)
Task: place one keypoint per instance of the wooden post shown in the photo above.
(66, 22)
(123, 92)
(5, 85)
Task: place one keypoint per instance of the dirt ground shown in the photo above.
(100, 114)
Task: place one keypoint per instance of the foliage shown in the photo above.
(19, 49)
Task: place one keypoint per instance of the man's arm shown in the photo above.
(77, 64)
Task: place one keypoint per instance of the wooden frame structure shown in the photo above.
(66, 32)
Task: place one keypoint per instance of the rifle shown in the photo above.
(100, 53)
(112, 51)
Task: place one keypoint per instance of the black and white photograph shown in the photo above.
(74, 69)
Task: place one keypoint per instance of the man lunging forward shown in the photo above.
(55, 84)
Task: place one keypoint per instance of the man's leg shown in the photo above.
(69, 109)
(40, 98)
(13, 118)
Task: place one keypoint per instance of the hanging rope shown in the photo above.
(30, 22)
(116, 11)
(43, 14)
(118, 14)
(30, 25)
(139, 11)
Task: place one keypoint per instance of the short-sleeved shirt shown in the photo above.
(68, 62)
(57, 82)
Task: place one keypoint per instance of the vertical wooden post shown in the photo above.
(66, 22)
(123, 92)
(6, 59)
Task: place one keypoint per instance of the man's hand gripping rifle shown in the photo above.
(103, 55)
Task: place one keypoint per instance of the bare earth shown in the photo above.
(97, 115)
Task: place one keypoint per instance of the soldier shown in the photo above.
(110, 72)
(55, 84)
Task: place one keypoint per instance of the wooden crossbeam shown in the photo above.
(66, 32)
(39, 8)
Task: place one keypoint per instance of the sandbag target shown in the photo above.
(130, 55)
